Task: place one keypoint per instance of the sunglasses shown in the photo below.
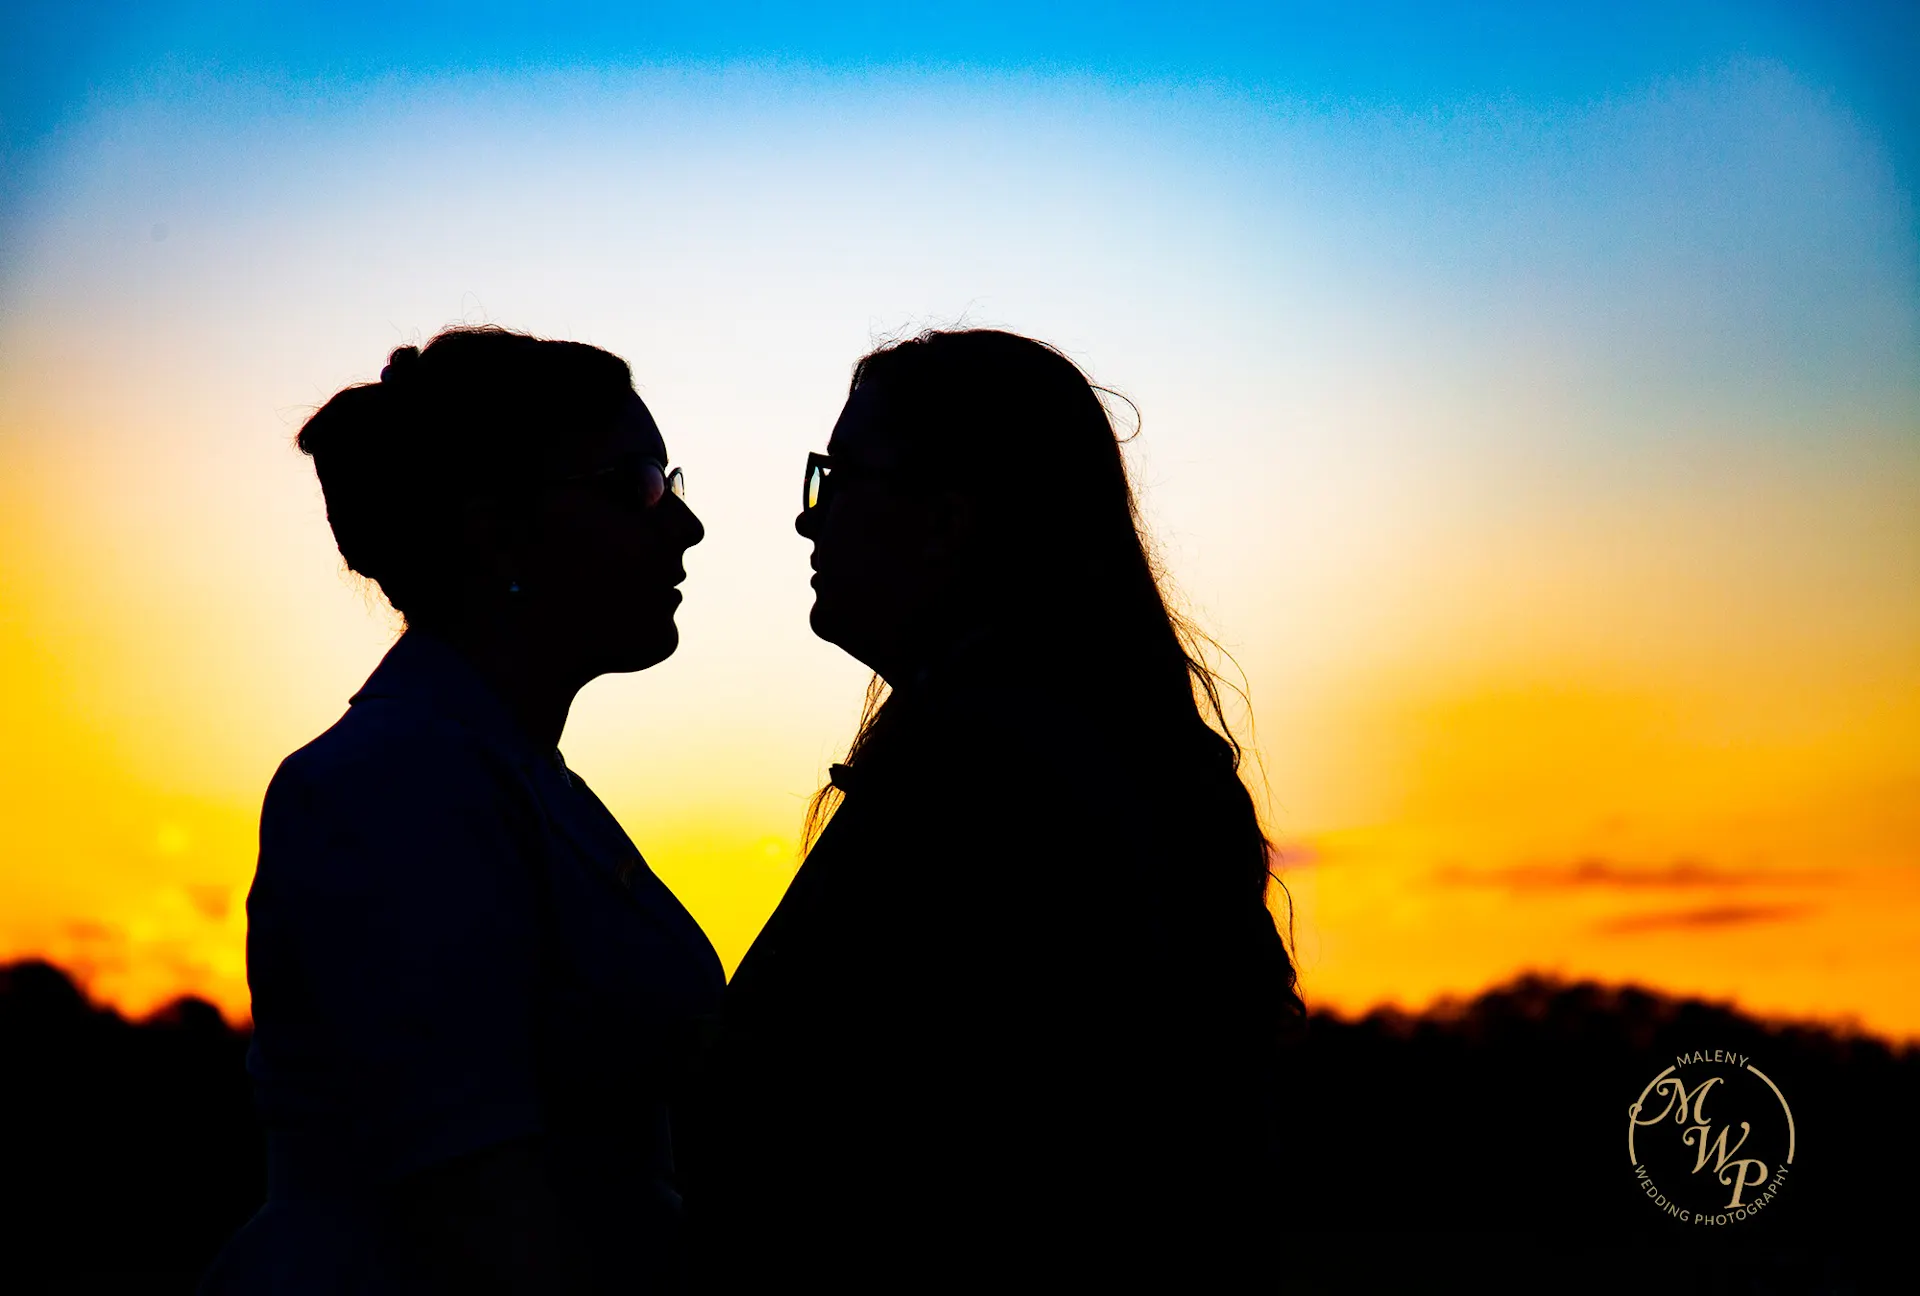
(634, 481)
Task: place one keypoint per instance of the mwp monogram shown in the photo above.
(1710, 1138)
(1690, 1111)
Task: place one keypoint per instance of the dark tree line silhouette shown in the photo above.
(1488, 1138)
(129, 1149)
(1481, 1141)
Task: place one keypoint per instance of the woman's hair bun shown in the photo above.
(399, 362)
(473, 411)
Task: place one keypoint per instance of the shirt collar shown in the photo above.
(427, 670)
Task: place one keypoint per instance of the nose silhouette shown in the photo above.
(691, 529)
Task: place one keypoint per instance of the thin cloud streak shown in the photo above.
(1713, 916)
(1597, 873)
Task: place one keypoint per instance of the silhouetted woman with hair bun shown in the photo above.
(473, 1002)
(1018, 1015)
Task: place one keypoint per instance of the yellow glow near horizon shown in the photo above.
(1568, 536)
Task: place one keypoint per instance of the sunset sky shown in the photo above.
(1531, 406)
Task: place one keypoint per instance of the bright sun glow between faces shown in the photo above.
(1553, 477)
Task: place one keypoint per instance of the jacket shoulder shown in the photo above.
(395, 771)
(386, 738)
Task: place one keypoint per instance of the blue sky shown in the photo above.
(56, 54)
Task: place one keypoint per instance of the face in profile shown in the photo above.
(879, 548)
(608, 548)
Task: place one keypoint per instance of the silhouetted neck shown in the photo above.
(961, 656)
(536, 697)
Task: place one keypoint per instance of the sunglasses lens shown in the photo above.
(816, 478)
(677, 483)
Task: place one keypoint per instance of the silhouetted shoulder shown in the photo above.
(393, 743)
(393, 770)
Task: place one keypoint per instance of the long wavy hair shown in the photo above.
(1018, 429)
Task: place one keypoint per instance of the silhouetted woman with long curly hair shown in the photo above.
(1018, 1013)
